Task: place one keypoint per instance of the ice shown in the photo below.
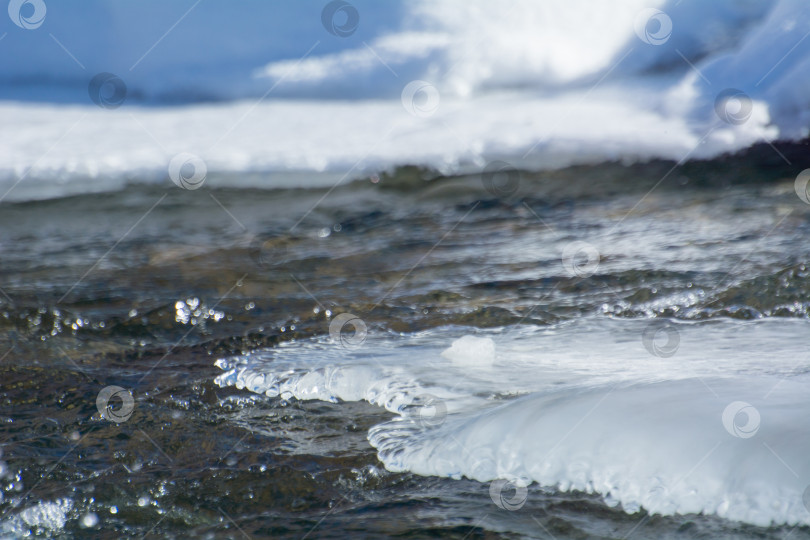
(716, 428)
(471, 350)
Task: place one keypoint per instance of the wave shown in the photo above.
(590, 406)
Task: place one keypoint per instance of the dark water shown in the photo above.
(145, 289)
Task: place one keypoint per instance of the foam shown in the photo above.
(43, 516)
(471, 350)
(292, 145)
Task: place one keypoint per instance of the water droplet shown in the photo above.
(90, 519)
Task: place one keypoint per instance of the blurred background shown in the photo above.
(278, 88)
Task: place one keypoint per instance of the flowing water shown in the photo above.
(563, 355)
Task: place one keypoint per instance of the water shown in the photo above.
(584, 375)
(364, 322)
